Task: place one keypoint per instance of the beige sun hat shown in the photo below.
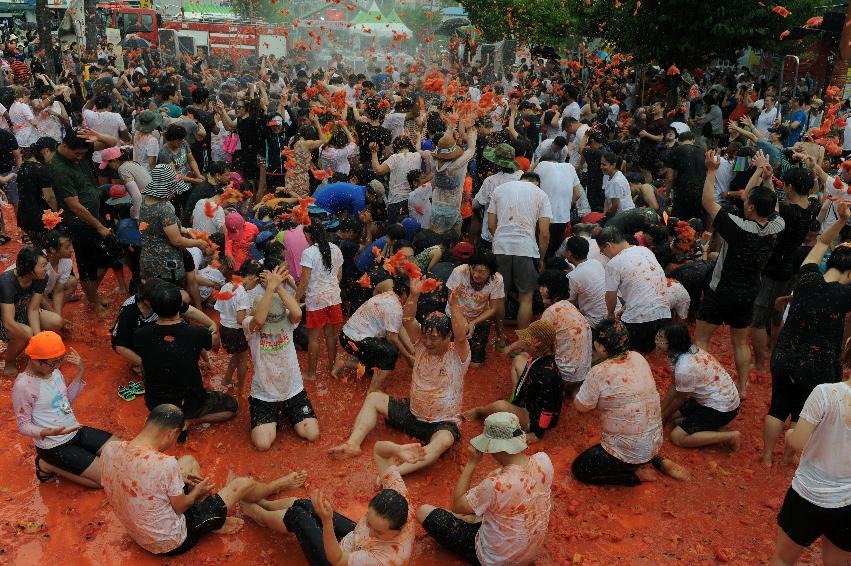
(502, 434)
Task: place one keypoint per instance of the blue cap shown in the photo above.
(127, 232)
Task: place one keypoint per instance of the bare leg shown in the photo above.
(14, 347)
(262, 436)
(189, 466)
(375, 404)
(90, 289)
(440, 442)
(81, 479)
(499, 322)
(378, 380)
(119, 277)
(308, 429)
(272, 520)
(759, 339)
(703, 332)
(786, 552)
(251, 490)
(241, 371)
(524, 310)
(788, 453)
(314, 335)
(832, 555)
(500, 406)
(343, 363)
(771, 431)
(193, 290)
(741, 345)
(331, 332)
(733, 439)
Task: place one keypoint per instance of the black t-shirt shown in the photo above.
(130, 319)
(32, 178)
(688, 161)
(8, 144)
(647, 146)
(11, 292)
(594, 179)
(810, 342)
(170, 364)
(745, 248)
(781, 264)
(368, 133)
(250, 132)
(541, 392)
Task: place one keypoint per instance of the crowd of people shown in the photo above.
(437, 215)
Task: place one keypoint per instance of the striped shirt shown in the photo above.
(20, 72)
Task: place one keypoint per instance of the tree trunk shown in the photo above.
(840, 66)
(91, 26)
(45, 23)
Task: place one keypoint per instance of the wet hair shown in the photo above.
(486, 258)
(609, 235)
(800, 178)
(679, 339)
(175, 132)
(396, 232)
(578, 247)
(559, 141)
(146, 288)
(401, 284)
(635, 177)
(165, 299)
(103, 101)
(402, 143)
(556, 283)
(167, 417)
(200, 95)
(347, 225)
(613, 336)
(414, 176)
(217, 168)
(391, 506)
(249, 268)
(840, 258)
(27, 260)
(531, 177)
(686, 136)
(438, 323)
(53, 239)
(763, 200)
(218, 238)
(658, 233)
(612, 157)
(273, 254)
(319, 236)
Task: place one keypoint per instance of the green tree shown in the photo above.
(44, 19)
(688, 33)
(541, 21)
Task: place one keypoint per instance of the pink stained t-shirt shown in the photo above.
(573, 340)
(437, 385)
(514, 504)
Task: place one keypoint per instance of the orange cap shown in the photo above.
(45, 345)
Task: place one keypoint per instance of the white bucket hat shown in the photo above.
(502, 434)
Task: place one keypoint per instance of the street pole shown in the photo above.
(840, 67)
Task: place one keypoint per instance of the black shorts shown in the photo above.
(764, 313)
(699, 418)
(479, 342)
(453, 534)
(204, 517)
(791, 385)
(642, 335)
(88, 251)
(294, 410)
(233, 340)
(804, 522)
(188, 262)
(215, 402)
(76, 455)
(735, 312)
(371, 352)
(400, 417)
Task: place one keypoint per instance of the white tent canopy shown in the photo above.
(374, 23)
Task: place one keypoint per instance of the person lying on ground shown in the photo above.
(164, 502)
(385, 535)
(42, 405)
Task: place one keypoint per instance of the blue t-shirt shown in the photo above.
(366, 260)
(341, 197)
(801, 117)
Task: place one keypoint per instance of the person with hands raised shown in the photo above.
(384, 536)
(42, 404)
(503, 520)
(746, 245)
(164, 502)
(277, 388)
(433, 411)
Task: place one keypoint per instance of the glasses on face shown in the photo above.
(51, 364)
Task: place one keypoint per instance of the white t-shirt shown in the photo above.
(588, 290)
(724, 175)
(822, 477)
(832, 216)
(59, 275)
(107, 123)
(277, 375)
(641, 284)
(473, 302)
(324, 288)
(212, 274)
(617, 187)
(546, 147)
(766, 120)
(572, 110)
(678, 298)
(375, 318)
(514, 504)
(395, 122)
(625, 393)
(437, 385)
(558, 180)
(229, 308)
(518, 205)
(702, 376)
(614, 110)
(337, 159)
(21, 115)
(419, 204)
(400, 164)
(573, 340)
(483, 197)
(50, 125)
(138, 482)
(146, 146)
(209, 224)
(579, 137)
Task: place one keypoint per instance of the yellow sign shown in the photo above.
(145, 4)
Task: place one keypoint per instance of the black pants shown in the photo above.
(305, 524)
(598, 467)
(556, 238)
(452, 533)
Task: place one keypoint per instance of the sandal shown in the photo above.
(126, 394)
(41, 474)
(500, 343)
(137, 388)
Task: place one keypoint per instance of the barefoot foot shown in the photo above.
(646, 475)
(337, 369)
(290, 481)
(345, 450)
(674, 470)
(470, 415)
(232, 526)
(275, 504)
(735, 441)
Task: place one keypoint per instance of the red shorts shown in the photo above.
(321, 317)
